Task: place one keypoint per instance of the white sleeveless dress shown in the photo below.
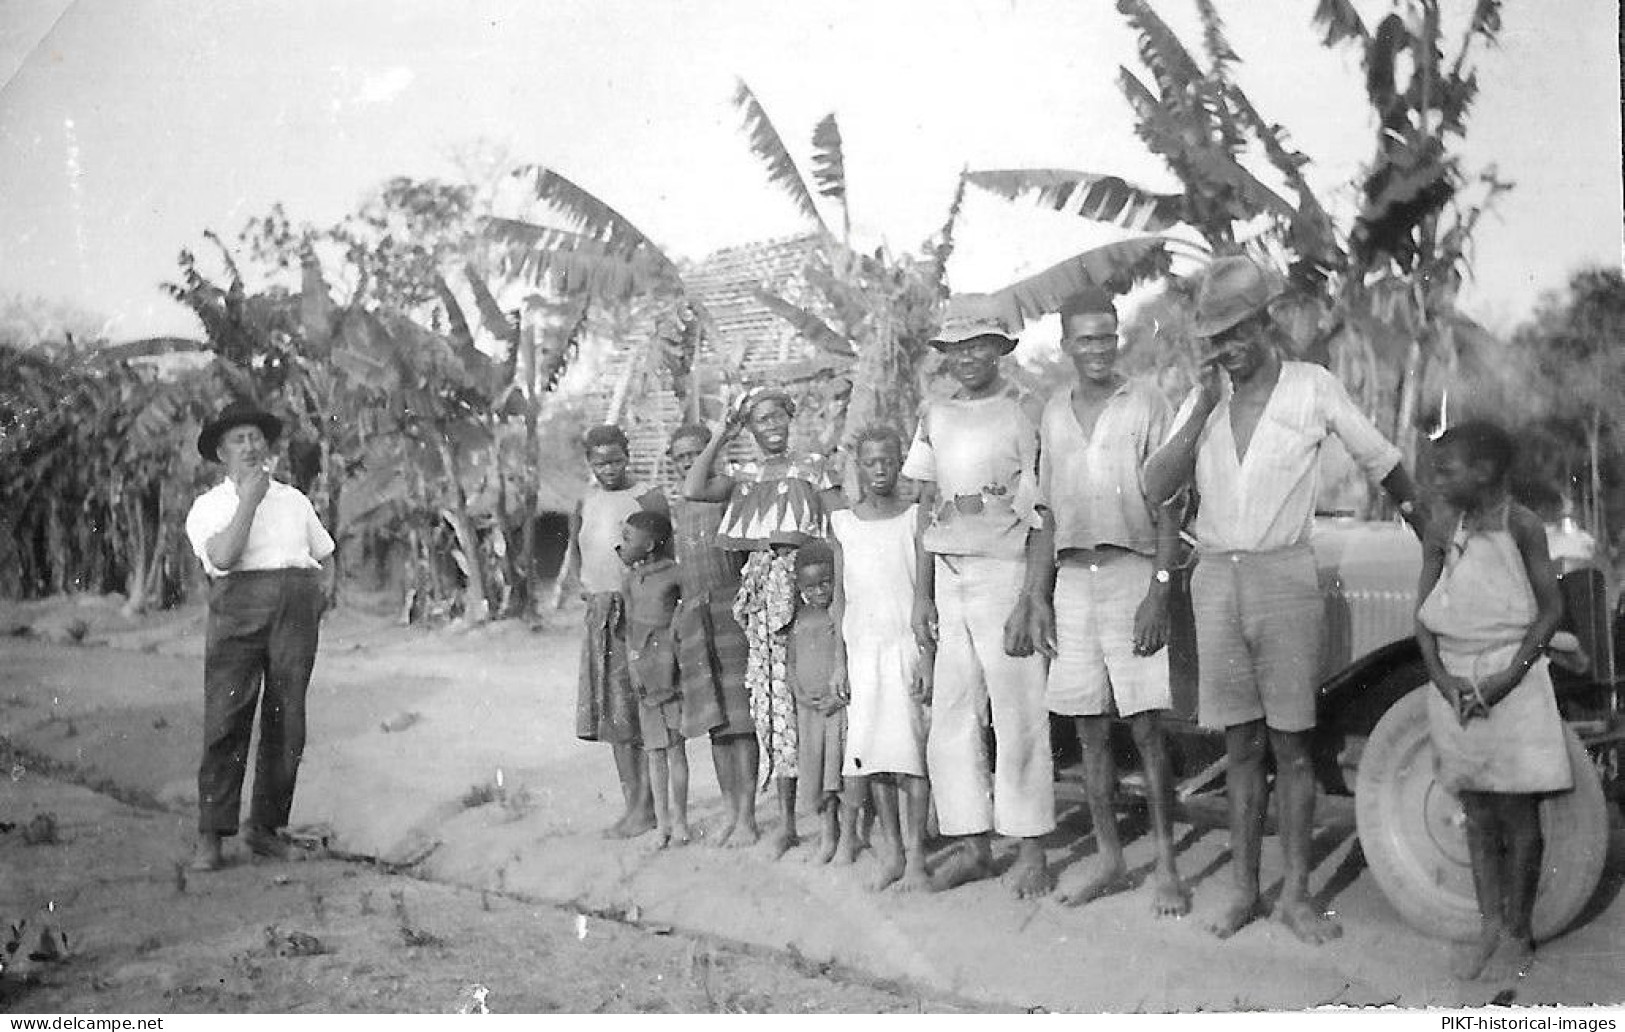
(885, 726)
(1480, 610)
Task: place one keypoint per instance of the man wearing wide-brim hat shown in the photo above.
(269, 564)
(1249, 437)
(981, 600)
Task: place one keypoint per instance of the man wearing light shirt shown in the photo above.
(1250, 442)
(269, 564)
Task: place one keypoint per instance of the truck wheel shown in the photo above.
(1411, 831)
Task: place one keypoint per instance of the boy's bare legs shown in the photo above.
(916, 803)
(1295, 780)
(780, 841)
(829, 832)
(746, 755)
(854, 791)
(723, 763)
(658, 779)
(633, 772)
(677, 757)
(1248, 794)
(1169, 897)
(1109, 873)
(883, 791)
(1483, 847)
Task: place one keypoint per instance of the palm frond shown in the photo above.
(492, 317)
(1220, 54)
(592, 216)
(1171, 65)
(829, 166)
(1088, 195)
(941, 246)
(578, 263)
(1113, 267)
(768, 146)
(815, 330)
(1339, 21)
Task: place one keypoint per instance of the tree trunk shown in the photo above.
(476, 605)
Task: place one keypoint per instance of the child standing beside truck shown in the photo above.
(1489, 606)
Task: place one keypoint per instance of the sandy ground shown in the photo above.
(408, 734)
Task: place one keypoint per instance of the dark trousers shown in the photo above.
(263, 627)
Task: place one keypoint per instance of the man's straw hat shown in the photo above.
(1233, 289)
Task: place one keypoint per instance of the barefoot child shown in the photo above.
(1490, 603)
(711, 647)
(816, 670)
(606, 707)
(774, 506)
(885, 746)
(652, 590)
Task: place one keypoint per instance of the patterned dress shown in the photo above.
(711, 645)
(770, 515)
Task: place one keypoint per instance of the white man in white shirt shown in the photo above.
(1249, 438)
(269, 562)
(1114, 551)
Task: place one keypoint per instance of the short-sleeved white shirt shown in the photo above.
(286, 533)
(1092, 482)
(1266, 500)
(982, 453)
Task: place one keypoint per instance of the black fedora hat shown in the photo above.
(238, 413)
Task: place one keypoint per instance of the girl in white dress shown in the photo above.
(1490, 603)
(886, 722)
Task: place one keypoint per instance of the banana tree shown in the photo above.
(1376, 297)
(875, 313)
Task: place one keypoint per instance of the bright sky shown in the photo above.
(126, 128)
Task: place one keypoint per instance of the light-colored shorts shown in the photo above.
(1095, 665)
(1258, 630)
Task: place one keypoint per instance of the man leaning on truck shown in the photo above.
(1249, 437)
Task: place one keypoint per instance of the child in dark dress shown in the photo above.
(816, 670)
(652, 589)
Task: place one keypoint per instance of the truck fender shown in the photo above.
(1349, 704)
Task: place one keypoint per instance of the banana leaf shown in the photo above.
(1101, 198)
(810, 326)
(1114, 267)
(768, 146)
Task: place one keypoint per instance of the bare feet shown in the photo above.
(630, 826)
(679, 834)
(1107, 876)
(207, 856)
(1168, 896)
(1468, 960)
(660, 840)
(891, 868)
(1241, 911)
(1030, 876)
(1307, 923)
(1513, 958)
(915, 877)
(826, 849)
(780, 842)
(743, 837)
(265, 843)
(725, 832)
(965, 865)
(846, 853)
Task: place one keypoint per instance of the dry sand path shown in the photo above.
(127, 710)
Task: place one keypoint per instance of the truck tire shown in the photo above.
(1410, 830)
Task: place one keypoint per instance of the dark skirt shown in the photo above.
(606, 704)
(711, 653)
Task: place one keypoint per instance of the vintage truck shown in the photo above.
(1372, 739)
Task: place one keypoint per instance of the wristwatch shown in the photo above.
(1162, 577)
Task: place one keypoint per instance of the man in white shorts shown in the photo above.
(1113, 553)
